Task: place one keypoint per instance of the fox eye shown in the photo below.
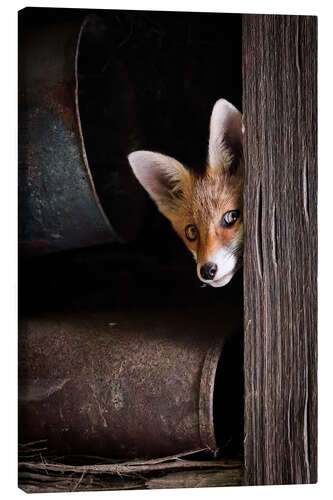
(191, 232)
(229, 218)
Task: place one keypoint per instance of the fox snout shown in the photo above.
(208, 271)
(211, 274)
(205, 210)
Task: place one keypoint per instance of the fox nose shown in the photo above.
(208, 270)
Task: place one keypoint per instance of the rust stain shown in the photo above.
(34, 244)
(60, 96)
(33, 170)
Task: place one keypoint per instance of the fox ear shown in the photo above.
(162, 177)
(225, 139)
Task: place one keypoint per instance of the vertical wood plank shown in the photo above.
(280, 257)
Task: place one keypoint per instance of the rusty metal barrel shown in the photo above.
(77, 124)
(119, 385)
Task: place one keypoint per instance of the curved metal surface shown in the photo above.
(206, 396)
(59, 207)
(111, 385)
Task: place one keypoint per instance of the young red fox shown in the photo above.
(205, 210)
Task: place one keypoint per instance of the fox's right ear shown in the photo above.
(162, 177)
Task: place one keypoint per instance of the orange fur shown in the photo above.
(203, 202)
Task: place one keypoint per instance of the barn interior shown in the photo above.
(146, 80)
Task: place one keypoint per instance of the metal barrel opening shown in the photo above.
(221, 401)
(75, 186)
(107, 112)
(228, 401)
(124, 388)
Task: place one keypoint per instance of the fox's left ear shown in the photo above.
(225, 139)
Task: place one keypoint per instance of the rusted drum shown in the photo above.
(120, 386)
(76, 126)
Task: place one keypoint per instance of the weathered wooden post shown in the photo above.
(280, 261)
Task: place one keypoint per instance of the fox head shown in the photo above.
(205, 210)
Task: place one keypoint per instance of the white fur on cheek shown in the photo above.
(225, 261)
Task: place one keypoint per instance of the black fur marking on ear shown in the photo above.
(233, 168)
(235, 163)
(178, 193)
(236, 149)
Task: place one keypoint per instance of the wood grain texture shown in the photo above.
(280, 258)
